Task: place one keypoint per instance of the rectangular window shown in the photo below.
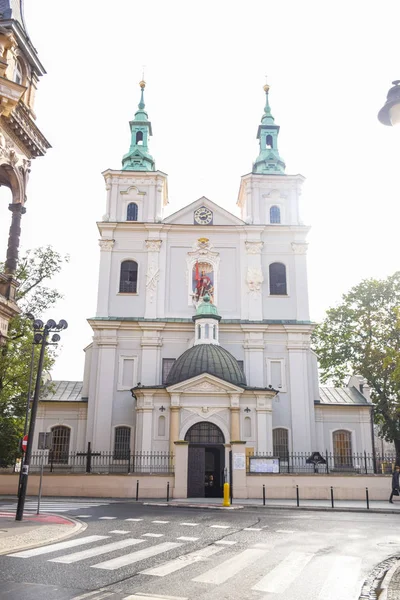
(276, 374)
(167, 365)
(241, 364)
(127, 372)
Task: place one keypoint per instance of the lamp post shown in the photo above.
(390, 112)
(41, 336)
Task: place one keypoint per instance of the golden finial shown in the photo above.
(142, 83)
(266, 86)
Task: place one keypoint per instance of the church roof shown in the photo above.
(63, 391)
(12, 9)
(341, 396)
(207, 358)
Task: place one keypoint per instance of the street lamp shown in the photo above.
(390, 112)
(42, 332)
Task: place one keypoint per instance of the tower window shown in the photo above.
(277, 279)
(128, 278)
(139, 138)
(269, 142)
(274, 214)
(132, 212)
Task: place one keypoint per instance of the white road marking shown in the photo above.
(231, 567)
(107, 518)
(83, 554)
(252, 529)
(155, 535)
(119, 531)
(162, 522)
(341, 581)
(133, 557)
(144, 596)
(226, 542)
(136, 520)
(59, 546)
(83, 516)
(285, 530)
(182, 561)
(189, 524)
(93, 596)
(220, 526)
(187, 539)
(269, 546)
(283, 575)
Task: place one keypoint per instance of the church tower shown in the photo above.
(20, 139)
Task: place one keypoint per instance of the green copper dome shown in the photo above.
(206, 309)
(207, 358)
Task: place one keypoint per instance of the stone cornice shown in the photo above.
(27, 132)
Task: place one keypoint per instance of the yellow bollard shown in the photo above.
(226, 501)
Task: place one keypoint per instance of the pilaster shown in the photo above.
(254, 356)
(254, 278)
(235, 416)
(105, 385)
(153, 247)
(181, 452)
(151, 343)
(174, 421)
(106, 246)
(264, 424)
(300, 268)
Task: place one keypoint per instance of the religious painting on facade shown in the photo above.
(202, 280)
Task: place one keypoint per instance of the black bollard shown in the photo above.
(264, 495)
(168, 491)
(333, 505)
(367, 497)
(137, 490)
(297, 496)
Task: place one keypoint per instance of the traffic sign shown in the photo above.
(24, 443)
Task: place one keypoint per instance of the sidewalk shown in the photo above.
(34, 530)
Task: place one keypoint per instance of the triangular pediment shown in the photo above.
(204, 384)
(220, 216)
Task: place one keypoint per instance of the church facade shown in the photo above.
(202, 329)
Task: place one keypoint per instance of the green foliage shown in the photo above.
(35, 269)
(362, 336)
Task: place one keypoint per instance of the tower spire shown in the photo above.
(138, 158)
(268, 161)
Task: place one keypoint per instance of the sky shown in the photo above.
(329, 65)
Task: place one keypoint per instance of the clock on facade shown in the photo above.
(203, 216)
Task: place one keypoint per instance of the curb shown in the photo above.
(78, 527)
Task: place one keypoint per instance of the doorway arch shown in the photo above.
(206, 461)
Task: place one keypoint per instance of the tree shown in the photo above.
(34, 297)
(362, 336)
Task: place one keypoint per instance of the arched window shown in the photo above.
(205, 433)
(214, 332)
(206, 330)
(280, 443)
(277, 279)
(60, 444)
(18, 73)
(122, 443)
(128, 279)
(269, 141)
(161, 426)
(247, 427)
(132, 212)
(139, 138)
(342, 448)
(274, 214)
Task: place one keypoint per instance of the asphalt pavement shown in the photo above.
(136, 552)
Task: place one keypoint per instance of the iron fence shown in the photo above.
(101, 462)
(362, 463)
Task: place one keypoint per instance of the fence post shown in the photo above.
(367, 497)
(168, 491)
(333, 505)
(51, 460)
(264, 494)
(297, 495)
(365, 462)
(137, 490)
(327, 462)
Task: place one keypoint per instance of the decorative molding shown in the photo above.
(205, 386)
(205, 412)
(152, 277)
(153, 245)
(254, 281)
(254, 247)
(299, 247)
(106, 245)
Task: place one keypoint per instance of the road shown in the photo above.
(136, 552)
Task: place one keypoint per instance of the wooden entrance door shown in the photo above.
(196, 472)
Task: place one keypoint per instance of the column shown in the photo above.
(13, 239)
(152, 277)
(106, 246)
(235, 417)
(181, 451)
(174, 422)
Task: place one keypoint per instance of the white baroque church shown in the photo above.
(202, 329)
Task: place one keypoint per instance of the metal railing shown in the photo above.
(101, 462)
(362, 463)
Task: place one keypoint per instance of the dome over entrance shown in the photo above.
(207, 358)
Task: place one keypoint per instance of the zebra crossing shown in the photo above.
(53, 506)
(267, 570)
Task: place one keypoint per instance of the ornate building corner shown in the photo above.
(106, 245)
(254, 247)
(254, 281)
(153, 245)
(299, 247)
